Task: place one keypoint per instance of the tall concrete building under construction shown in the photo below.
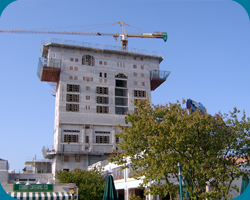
(96, 86)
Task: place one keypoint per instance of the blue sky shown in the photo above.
(207, 53)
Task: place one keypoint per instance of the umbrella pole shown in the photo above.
(179, 167)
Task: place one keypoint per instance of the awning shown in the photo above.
(42, 195)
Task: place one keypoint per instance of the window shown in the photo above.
(143, 83)
(102, 100)
(120, 83)
(71, 131)
(71, 138)
(87, 79)
(66, 158)
(87, 126)
(87, 107)
(135, 74)
(71, 59)
(121, 92)
(100, 62)
(76, 68)
(77, 158)
(134, 66)
(116, 140)
(142, 67)
(87, 97)
(105, 75)
(72, 97)
(139, 93)
(141, 58)
(75, 77)
(88, 60)
(72, 107)
(71, 67)
(135, 82)
(70, 77)
(72, 88)
(100, 80)
(76, 59)
(87, 139)
(102, 109)
(100, 74)
(121, 64)
(105, 80)
(102, 132)
(142, 74)
(102, 90)
(87, 88)
(105, 63)
(102, 139)
(121, 101)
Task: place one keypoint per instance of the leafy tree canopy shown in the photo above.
(91, 184)
(207, 146)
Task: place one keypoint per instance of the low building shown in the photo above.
(127, 186)
(36, 182)
(4, 167)
(35, 170)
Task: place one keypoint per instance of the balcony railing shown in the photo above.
(159, 74)
(100, 46)
(48, 70)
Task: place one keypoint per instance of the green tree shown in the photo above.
(158, 137)
(91, 184)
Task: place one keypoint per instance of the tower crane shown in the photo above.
(123, 37)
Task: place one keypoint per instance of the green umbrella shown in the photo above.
(245, 181)
(110, 191)
(188, 183)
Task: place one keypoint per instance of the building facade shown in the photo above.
(4, 167)
(96, 87)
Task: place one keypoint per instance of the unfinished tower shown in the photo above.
(96, 86)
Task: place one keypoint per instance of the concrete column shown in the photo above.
(91, 138)
(59, 138)
(113, 139)
(83, 137)
(126, 190)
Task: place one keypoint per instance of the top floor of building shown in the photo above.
(61, 56)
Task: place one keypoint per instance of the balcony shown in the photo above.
(157, 77)
(49, 70)
(47, 153)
